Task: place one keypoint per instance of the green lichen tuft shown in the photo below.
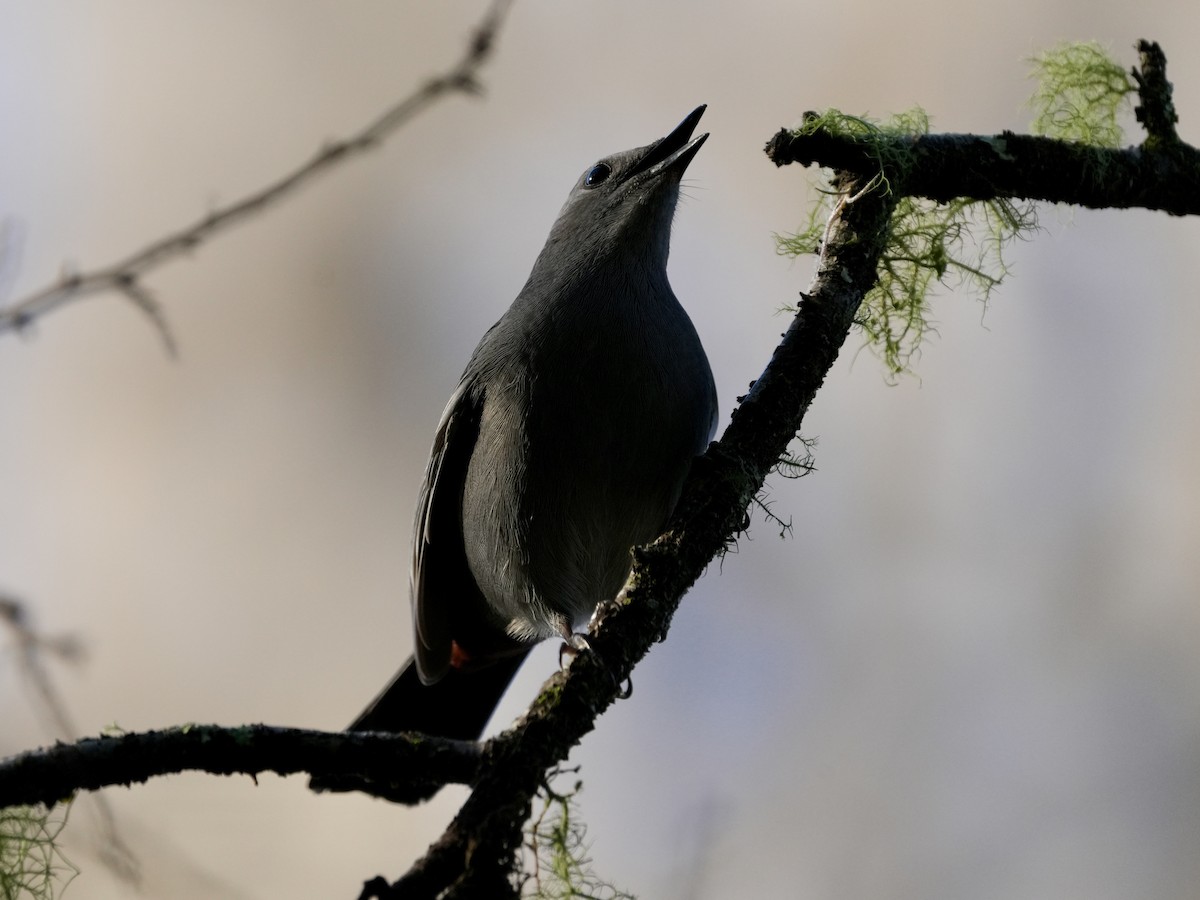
(1080, 92)
(960, 243)
(559, 867)
(890, 154)
(31, 864)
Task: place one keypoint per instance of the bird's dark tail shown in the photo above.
(457, 706)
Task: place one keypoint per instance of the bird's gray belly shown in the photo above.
(565, 479)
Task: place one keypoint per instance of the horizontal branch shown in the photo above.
(943, 167)
(1161, 174)
(393, 766)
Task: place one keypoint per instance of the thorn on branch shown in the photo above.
(626, 690)
(485, 34)
(468, 84)
(128, 284)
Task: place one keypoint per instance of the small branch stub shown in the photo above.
(1156, 111)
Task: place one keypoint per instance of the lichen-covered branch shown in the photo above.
(1007, 165)
(404, 766)
(1163, 173)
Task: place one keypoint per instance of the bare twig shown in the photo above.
(139, 295)
(124, 276)
(30, 646)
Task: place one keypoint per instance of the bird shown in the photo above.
(565, 444)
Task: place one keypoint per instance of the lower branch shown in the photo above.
(399, 767)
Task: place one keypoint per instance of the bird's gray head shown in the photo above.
(625, 202)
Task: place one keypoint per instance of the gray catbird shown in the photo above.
(565, 444)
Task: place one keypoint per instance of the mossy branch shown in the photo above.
(943, 167)
(1079, 95)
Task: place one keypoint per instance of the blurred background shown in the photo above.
(970, 671)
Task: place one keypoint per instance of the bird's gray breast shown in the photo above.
(593, 410)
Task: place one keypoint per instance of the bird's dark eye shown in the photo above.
(598, 175)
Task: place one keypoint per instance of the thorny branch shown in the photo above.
(125, 276)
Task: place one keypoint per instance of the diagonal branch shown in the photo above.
(124, 276)
(476, 853)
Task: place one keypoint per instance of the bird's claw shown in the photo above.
(573, 644)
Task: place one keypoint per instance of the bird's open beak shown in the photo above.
(676, 149)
